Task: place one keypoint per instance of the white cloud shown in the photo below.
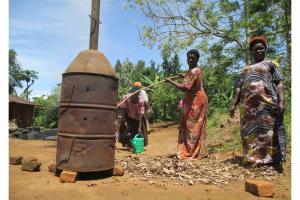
(29, 27)
(47, 35)
(48, 69)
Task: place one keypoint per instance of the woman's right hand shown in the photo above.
(232, 111)
(281, 107)
(140, 131)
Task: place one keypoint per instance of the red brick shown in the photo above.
(260, 188)
(68, 177)
(52, 167)
(15, 160)
(118, 171)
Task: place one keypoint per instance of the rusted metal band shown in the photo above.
(85, 105)
(86, 136)
(91, 73)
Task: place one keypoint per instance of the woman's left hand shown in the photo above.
(281, 107)
(232, 111)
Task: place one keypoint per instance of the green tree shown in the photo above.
(14, 72)
(150, 72)
(164, 97)
(125, 75)
(170, 65)
(118, 66)
(46, 111)
(17, 75)
(214, 26)
(220, 30)
(138, 70)
(29, 76)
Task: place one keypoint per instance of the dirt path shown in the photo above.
(44, 185)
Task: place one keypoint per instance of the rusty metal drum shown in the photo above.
(86, 129)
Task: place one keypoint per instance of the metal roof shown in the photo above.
(16, 99)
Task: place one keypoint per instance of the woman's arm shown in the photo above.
(141, 106)
(235, 101)
(278, 79)
(140, 124)
(177, 85)
(188, 81)
(280, 88)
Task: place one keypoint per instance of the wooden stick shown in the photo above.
(129, 95)
(94, 27)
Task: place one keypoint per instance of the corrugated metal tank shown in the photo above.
(86, 129)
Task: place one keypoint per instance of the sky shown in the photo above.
(47, 35)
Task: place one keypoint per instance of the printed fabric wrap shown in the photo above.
(262, 129)
(192, 130)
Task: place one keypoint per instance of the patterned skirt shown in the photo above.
(192, 131)
(262, 129)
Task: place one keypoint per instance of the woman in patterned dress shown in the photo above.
(260, 93)
(192, 130)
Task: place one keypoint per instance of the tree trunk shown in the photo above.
(287, 7)
(247, 56)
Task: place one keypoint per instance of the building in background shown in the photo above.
(20, 111)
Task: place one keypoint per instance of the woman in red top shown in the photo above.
(192, 130)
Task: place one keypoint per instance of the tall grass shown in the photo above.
(288, 128)
(222, 136)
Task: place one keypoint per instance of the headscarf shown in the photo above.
(137, 84)
(257, 39)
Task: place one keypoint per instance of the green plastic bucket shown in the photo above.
(138, 143)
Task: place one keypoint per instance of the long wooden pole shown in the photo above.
(95, 21)
(144, 88)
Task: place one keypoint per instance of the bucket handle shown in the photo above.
(138, 135)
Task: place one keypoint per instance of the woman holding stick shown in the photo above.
(192, 130)
(134, 108)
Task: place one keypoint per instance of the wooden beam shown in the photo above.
(95, 21)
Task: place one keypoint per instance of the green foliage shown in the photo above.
(14, 69)
(218, 86)
(287, 123)
(288, 117)
(46, 113)
(222, 139)
(232, 144)
(224, 26)
(17, 75)
(165, 99)
(170, 67)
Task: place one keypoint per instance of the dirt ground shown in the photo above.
(44, 185)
